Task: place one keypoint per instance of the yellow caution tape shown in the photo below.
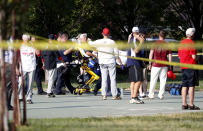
(55, 45)
(191, 66)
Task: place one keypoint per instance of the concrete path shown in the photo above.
(89, 105)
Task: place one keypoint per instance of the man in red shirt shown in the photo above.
(187, 55)
(158, 70)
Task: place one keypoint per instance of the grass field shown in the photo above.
(175, 122)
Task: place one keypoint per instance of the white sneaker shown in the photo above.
(150, 97)
(132, 101)
(161, 97)
(136, 101)
(104, 98)
(143, 97)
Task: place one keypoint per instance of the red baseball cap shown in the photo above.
(105, 31)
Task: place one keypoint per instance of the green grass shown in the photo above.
(175, 122)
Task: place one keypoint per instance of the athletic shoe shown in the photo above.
(142, 97)
(50, 95)
(42, 93)
(104, 98)
(132, 101)
(136, 101)
(29, 102)
(150, 97)
(161, 97)
(139, 101)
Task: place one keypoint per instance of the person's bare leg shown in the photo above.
(191, 95)
(144, 87)
(184, 95)
(140, 90)
(137, 86)
(132, 88)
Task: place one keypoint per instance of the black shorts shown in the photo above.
(135, 73)
(189, 78)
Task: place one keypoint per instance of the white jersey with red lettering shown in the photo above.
(28, 58)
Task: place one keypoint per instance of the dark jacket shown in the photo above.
(66, 58)
(39, 61)
(49, 58)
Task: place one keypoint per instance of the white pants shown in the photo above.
(108, 69)
(28, 82)
(52, 75)
(156, 72)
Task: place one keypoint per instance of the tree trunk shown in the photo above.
(24, 101)
(16, 112)
(1, 109)
(3, 100)
(4, 115)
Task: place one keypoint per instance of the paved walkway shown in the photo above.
(88, 105)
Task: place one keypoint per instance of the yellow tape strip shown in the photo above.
(191, 66)
(55, 45)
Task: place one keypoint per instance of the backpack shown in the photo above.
(175, 89)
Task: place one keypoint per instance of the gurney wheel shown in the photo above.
(80, 91)
(75, 92)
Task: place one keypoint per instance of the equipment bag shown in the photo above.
(175, 89)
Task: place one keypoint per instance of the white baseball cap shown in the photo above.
(26, 37)
(83, 35)
(190, 31)
(135, 29)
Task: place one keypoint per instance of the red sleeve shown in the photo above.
(43, 60)
(60, 58)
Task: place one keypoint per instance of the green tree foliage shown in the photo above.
(90, 16)
(122, 15)
(48, 16)
(6, 7)
(85, 18)
(186, 13)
